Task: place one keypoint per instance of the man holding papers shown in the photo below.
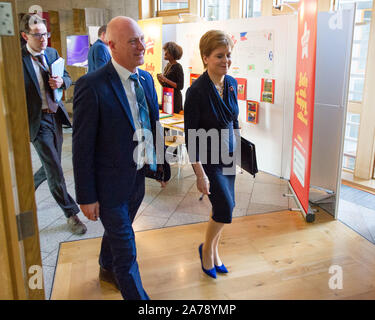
(45, 77)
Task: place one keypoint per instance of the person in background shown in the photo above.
(46, 116)
(173, 75)
(99, 54)
(211, 104)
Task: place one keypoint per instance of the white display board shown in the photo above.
(93, 34)
(265, 47)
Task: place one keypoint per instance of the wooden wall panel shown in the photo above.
(79, 21)
(54, 21)
(15, 105)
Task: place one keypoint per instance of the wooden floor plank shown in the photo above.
(269, 256)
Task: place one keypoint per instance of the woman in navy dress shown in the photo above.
(211, 108)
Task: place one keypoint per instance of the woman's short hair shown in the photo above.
(28, 20)
(212, 40)
(174, 50)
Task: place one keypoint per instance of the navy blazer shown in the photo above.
(98, 55)
(103, 128)
(33, 96)
(201, 109)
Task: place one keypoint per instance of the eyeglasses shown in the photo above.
(39, 36)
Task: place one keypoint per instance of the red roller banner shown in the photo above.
(304, 101)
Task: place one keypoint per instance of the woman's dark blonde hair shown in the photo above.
(174, 50)
(212, 40)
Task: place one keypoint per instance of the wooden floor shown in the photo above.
(269, 256)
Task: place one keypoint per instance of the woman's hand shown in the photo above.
(203, 185)
(161, 78)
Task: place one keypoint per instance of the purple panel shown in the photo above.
(77, 50)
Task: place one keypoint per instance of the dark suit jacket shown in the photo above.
(98, 55)
(103, 128)
(204, 109)
(33, 96)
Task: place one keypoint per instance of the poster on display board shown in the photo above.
(304, 104)
(241, 88)
(152, 29)
(257, 49)
(252, 111)
(193, 77)
(267, 91)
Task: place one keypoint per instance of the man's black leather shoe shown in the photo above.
(108, 276)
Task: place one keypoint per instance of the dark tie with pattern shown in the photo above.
(52, 105)
(144, 119)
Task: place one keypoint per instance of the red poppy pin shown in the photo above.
(231, 88)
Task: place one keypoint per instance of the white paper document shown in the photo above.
(57, 69)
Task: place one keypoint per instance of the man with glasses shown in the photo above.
(46, 116)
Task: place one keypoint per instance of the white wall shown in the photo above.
(272, 135)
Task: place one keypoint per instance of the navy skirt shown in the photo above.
(222, 192)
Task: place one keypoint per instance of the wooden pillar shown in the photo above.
(266, 7)
(55, 31)
(15, 109)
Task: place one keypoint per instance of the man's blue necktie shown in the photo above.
(144, 119)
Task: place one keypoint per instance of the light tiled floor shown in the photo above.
(359, 218)
(177, 204)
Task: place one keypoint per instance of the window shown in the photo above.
(351, 140)
(173, 4)
(253, 8)
(172, 7)
(360, 46)
(217, 9)
(357, 74)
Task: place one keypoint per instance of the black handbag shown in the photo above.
(163, 172)
(248, 157)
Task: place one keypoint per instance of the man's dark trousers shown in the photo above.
(48, 145)
(118, 252)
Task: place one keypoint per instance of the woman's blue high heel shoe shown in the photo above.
(221, 269)
(209, 272)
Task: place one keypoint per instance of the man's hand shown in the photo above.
(163, 183)
(55, 82)
(91, 211)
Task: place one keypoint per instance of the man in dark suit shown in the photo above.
(46, 116)
(113, 108)
(99, 54)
